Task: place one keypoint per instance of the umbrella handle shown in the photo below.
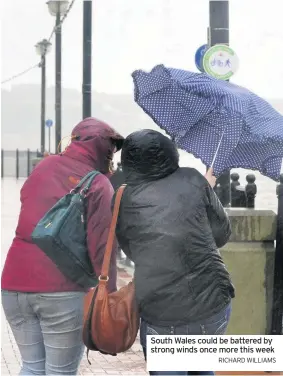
(217, 150)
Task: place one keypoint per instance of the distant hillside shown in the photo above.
(21, 114)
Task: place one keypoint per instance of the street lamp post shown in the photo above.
(219, 34)
(42, 48)
(87, 41)
(58, 8)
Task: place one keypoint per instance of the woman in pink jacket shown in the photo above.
(43, 307)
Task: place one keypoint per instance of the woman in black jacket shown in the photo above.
(171, 225)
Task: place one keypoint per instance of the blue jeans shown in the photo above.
(47, 329)
(215, 325)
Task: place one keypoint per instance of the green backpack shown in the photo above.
(62, 235)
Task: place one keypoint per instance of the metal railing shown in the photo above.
(17, 163)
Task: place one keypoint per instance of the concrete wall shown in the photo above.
(249, 257)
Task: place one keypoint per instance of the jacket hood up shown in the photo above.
(148, 155)
(93, 143)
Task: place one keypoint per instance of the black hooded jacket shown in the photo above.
(171, 225)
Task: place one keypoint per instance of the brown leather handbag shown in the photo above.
(111, 320)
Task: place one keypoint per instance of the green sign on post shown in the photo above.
(220, 62)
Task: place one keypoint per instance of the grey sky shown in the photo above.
(131, 34)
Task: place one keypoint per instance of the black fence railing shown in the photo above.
(17, 163)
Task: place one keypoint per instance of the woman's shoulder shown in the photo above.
(101, 184)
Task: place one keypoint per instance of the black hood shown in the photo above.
(148, 155)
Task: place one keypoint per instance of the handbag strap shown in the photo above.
(109, 245)
(88, 179)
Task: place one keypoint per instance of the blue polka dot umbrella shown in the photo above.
(224, 125)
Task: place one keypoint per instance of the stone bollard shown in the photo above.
(249, 257)
(251, 191)
(238, 194)
(235, 180)
(243, 197)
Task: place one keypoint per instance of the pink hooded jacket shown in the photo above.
(27, 268)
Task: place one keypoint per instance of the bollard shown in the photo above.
(28, 163)
(2, 163)
(222, 190)
(17, 164)
(234, 193)
(242, 197)
(277, 306)
(251, 191)
(235, 180)
(238, 194)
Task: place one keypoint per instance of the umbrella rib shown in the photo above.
(217, 150)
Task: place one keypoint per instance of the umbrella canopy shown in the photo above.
(198, 112)
(257, 153)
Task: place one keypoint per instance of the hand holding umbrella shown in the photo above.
(210, 177)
